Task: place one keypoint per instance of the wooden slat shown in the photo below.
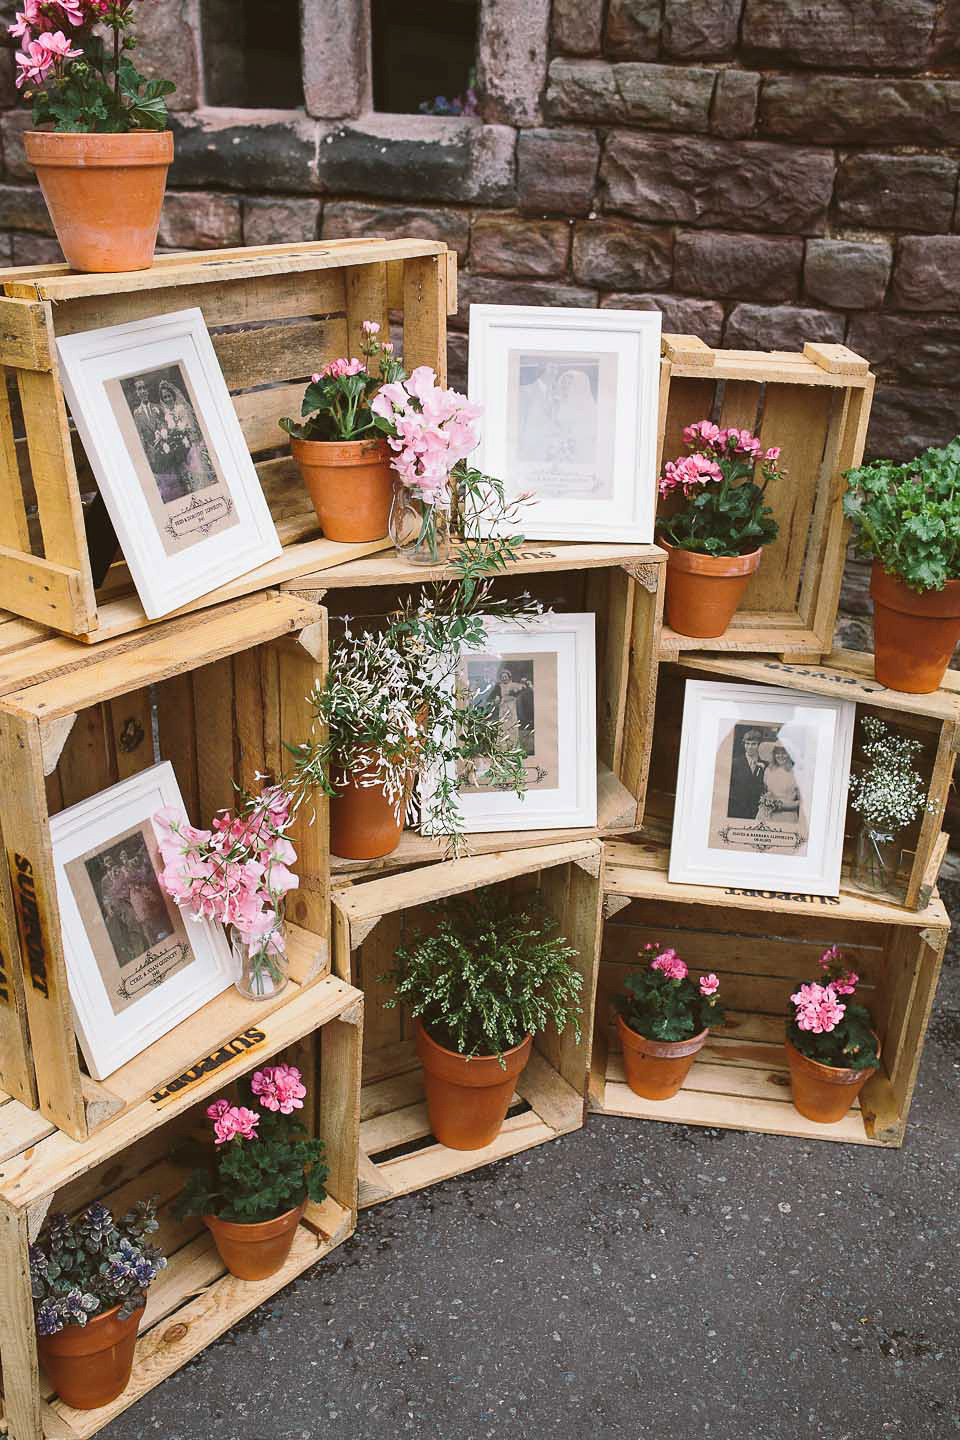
(425, 315)
(366, 298)
(25, 335)
(213, 728)
(268, 354)
(388, 569)
(298, 674)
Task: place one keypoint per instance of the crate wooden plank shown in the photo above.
(387, 568)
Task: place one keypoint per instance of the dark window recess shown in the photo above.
(424, 56)
(252, 53)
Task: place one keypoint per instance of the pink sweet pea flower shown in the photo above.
(709, 985)
(420, 382)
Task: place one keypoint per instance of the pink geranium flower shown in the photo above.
(668, 962)
(818, 1008)
(279, 1088)
(235, 1121)
(709, 985)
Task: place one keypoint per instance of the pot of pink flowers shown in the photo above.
(664, 1019)
(263, 1170)
(713, 525)
(237, 872)
(343, 457)
(832, 1048)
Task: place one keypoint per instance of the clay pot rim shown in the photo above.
(892, 593)
(830, 1074)
(474, 1062)
(91, 149)
(75, 1333)
(663, 1049)
(339, 452)
(265, 1228)
(695, 563)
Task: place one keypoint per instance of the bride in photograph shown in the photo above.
(180, 423)
(781, 799)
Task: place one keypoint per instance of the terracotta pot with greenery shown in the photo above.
(480, 985)
(714, 525)
(265, 1167)
(663, 1020)
(831, 1044)
(101, 147)
(89, 1277)
(907, 519)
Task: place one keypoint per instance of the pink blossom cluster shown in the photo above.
(818, 1008)
(710, 444)
(229, 1121)
(39, 28)
(337, 369)
(834, 967)
(433, 429)
(709, 985)
(236, 872)
(668, 962)
(279, 1087)
(688, 472)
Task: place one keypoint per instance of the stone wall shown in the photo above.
(762, 171)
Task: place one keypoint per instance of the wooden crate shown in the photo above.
(193, 1300)
(216, 696)
(275, 314)
(623, 586)
(934, 720)
(816, 406)
(760, 943)
(397, 1151)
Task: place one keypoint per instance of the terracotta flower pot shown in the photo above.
(104, 194)
(254, 1252)
(656, 1069)
(350, 485)
(363, 825)
(703, 591)
(822, 1092)
(914, 633)
(89, 1365)
(468, 1099)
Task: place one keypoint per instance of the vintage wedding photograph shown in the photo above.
(523, 693)
(170, 432)
(761, 788)
(560, 423)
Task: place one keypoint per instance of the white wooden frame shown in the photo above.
(706, 707)
(633, 338)
(573, 803)
(92, 358)
(109, 1040)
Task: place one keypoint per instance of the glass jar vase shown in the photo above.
(420, 532)
(262, 964)
(876, 861)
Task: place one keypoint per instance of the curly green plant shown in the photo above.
(907, 517)
(487, 976)
(83, 1266)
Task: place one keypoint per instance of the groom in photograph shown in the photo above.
(746, 777)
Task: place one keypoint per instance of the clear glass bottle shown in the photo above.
(877, 860)
(261, 966)
(420, 532)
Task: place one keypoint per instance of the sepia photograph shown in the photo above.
(169, 430)
(522, 691)
(560, 425)
(760, 788)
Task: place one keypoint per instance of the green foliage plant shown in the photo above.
(336, 403)
(487, 975)
(907, 517)
(663, 1003)
(716, 506)
(264, 1162)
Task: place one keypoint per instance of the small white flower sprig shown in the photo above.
(889, 792)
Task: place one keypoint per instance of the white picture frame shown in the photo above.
(551, 705)
(105, 860)
(163, 439)
(761, 789)
(570, 407)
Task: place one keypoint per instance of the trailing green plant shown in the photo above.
(663, 1003)
(827, 1026)
(76, 80)
(487, 975)
(889, 792)
(264, 1162)
(725, 513)
(83, 1266)
(907, 517)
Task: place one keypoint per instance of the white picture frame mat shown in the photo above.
(75, 832)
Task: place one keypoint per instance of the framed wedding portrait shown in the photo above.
(538, 677)
(761, 789)
(163, 439)
(570, 416)
(136, 966)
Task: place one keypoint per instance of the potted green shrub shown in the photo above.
(254, 1188)
(907, 519)
(480, 985)
(102, 146)
(831, 1044)
(663, 1020)
(714, 525)
(89, 1276)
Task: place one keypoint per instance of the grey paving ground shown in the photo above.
(633, 1280)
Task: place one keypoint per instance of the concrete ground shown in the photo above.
(633, 1280)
